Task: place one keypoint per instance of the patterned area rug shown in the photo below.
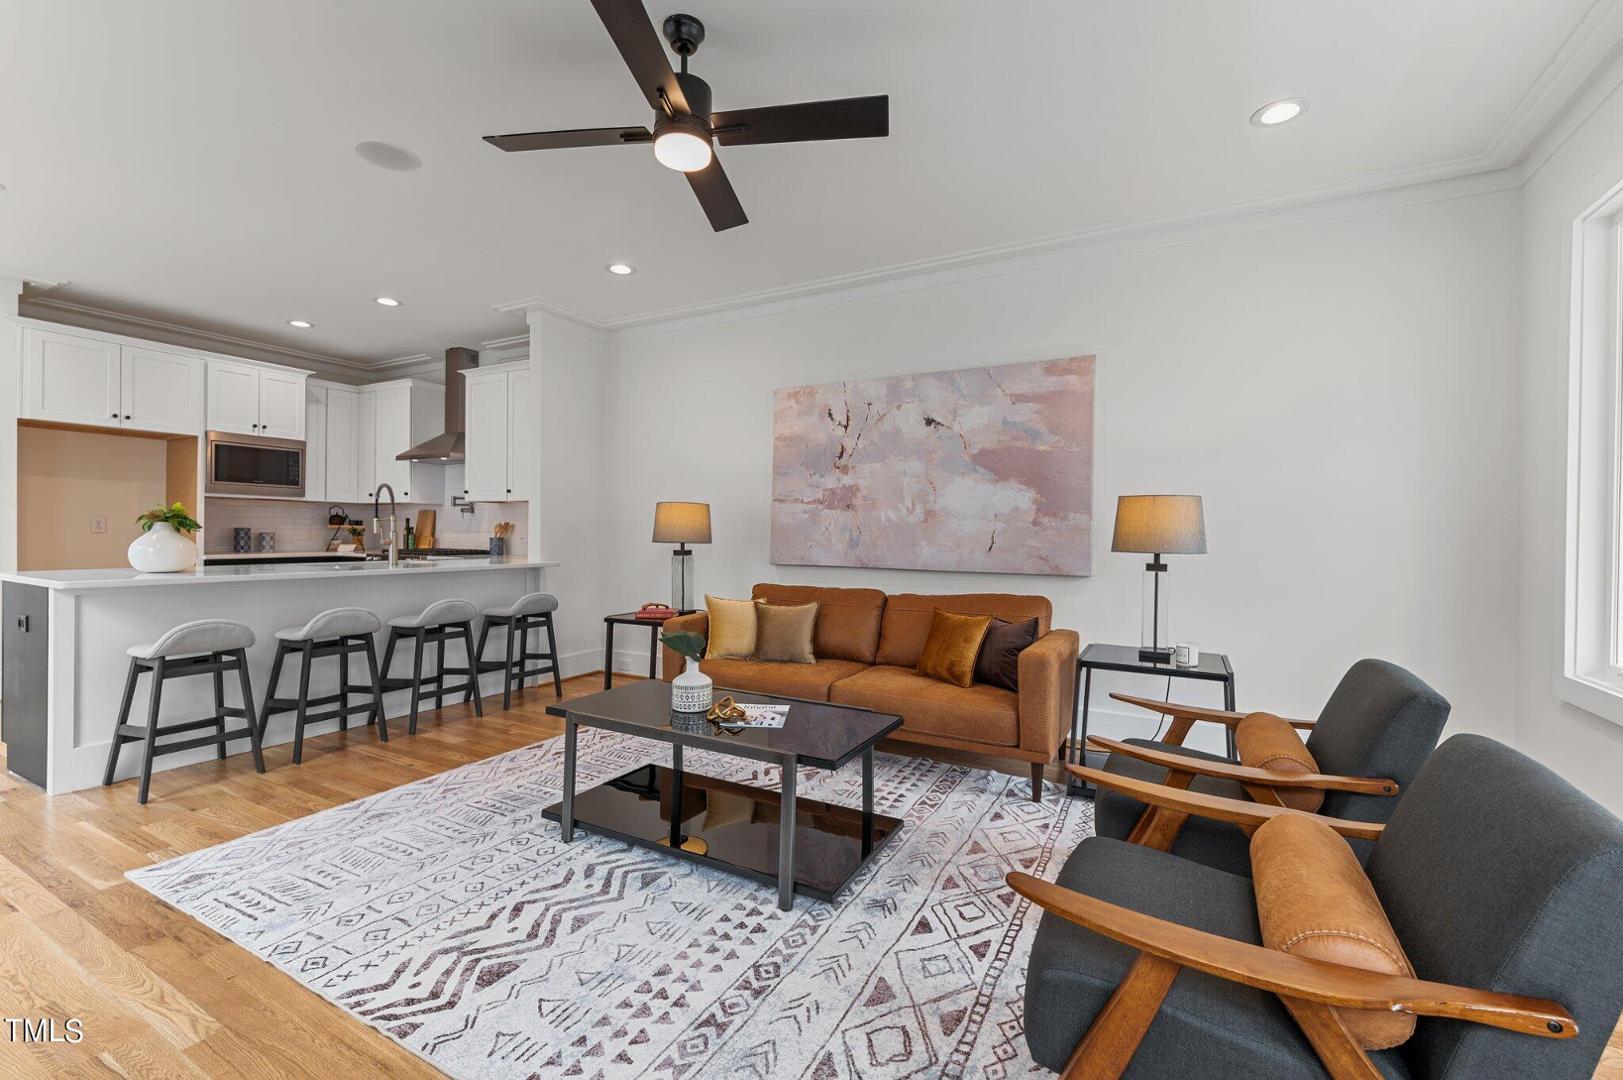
(447, 914)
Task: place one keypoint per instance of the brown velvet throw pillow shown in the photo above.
(1314, 900)
(1264, 741)
(783, 632)
(950, 650)
(999, 661)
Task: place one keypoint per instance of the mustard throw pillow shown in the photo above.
(783, 632)
(732, 628)
(950, 650)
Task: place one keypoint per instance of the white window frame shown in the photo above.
(1591, 674)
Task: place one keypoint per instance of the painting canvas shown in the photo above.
(987, 469)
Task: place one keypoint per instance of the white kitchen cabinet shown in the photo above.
(161, 391)
(256, 399)
(343, 445)
(407, 412)
(315, 442)
(499, 443)
(366, 444)
(73, 379)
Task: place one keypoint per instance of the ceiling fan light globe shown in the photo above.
(682, 150)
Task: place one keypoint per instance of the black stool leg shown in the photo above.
(123, 718)
(219, 705)
(377, 691)
(304, 696)
(152, 730)
(439, 669)
(552, 647)
(343, 684)
(270, 690)
(514, 629)
(248, 708)
(473, 669)
(416, 678)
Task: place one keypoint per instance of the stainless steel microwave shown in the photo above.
(254, 465)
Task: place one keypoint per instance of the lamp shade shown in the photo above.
(1160, 525)
(681, 523)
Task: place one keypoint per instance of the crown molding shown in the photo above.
(1577, 62)
(31, 279)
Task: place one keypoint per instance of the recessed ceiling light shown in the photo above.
(388, 156)
(621, 269)
(1278, 112)
(300, 323)
(388, 301)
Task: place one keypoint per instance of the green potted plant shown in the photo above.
(161, 548)
(692, 690)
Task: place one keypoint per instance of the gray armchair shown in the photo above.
(1379, 724)
(1500, 880)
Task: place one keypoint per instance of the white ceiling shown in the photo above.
(191, 160)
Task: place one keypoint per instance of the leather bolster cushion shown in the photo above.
(1264, 741)
(1313, 900)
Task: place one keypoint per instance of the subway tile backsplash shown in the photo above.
(302, 526)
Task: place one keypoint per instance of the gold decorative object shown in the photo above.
(725, 709)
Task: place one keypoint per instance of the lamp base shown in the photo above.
(682, 579)
(1156, 656)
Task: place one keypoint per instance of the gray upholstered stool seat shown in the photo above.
(335, 632)
(198, 636)
(439, 613)
(433, 625)
(536, 603)
(334, 623)
(201, 647)
(532, 611)
(1200, 838)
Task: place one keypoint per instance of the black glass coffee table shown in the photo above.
(799, 845)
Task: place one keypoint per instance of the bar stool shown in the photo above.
(335, 632)
(206, 646)
(438, 621)
(532, 611)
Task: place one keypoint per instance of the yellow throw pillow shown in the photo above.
(783, 632)
(732, 628)
(950, 650)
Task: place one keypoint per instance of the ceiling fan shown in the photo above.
(684, 127)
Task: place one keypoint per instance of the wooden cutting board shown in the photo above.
(425, 528)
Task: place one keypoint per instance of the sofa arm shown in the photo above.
(670, 662)
(1048, 691)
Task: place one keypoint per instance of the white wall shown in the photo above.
(1343, 392)
(1585, 748)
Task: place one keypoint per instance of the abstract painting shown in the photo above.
(987, 469)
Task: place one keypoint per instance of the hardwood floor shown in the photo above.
(159, 995)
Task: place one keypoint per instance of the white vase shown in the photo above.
(691, 690)
(162, 550)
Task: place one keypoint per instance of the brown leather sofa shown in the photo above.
(867, 645)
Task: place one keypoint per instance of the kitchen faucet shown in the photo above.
(394, 551)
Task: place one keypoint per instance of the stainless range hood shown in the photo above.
(448, 446)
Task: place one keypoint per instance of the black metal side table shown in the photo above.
(1213, 667)
(629, 618)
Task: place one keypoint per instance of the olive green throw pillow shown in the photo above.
(783, 632)
(950, 650)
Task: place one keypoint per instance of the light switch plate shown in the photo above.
(98, 523)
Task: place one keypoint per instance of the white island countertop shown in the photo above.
(126, 578)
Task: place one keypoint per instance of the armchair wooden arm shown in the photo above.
(1310, 989)
(1184, 716)
(1245, 774)
(1186, 803)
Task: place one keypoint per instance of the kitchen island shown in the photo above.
(66, 632)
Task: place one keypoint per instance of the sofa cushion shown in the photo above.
(906, 625)
(954, 642)
(979, 714)
(809, 681)
(783, 632)
(732, 628)
(847, 626)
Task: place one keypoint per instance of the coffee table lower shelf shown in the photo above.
(731, 827)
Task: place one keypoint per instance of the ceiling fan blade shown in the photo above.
(558, 140)
(840, 118)
(716, 195)
(643, 52)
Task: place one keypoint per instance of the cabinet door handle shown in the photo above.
(22, 623)
(127, 416)
(115, 416)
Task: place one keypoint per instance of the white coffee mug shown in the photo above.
(1186, 653)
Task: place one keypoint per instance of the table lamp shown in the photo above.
(682, 523)
(1158, 525)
